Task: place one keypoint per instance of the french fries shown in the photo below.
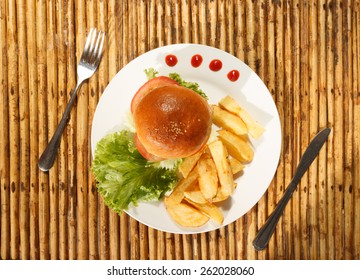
(184, 214)
(254, 128)
(208, 179)
(222, 163)
(237, 146)
(229, 121)
(208, 176)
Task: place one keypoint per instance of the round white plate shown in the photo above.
(248, 90)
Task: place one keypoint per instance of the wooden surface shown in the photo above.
(306, 52)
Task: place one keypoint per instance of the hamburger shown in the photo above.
(171, 121)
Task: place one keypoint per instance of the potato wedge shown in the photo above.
(189, 162)
(231, 105)
(237, 146)
(220, 196)
(236, 165)
(210, 210)
(222, 163)
(184, 214)
(229, 121)
(208, 178)
(195, 196)
(177, 194)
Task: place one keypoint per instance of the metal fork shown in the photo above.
(87, 66)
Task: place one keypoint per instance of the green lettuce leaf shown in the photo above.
(191, 85)
(124, 177)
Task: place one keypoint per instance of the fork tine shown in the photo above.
(92, 46)
(95, 52)
(87, 44)
(99, 53)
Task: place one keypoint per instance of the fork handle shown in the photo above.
(47, 158)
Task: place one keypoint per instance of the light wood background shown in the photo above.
(306, 52)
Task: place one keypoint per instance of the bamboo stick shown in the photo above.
(221, 23)
(270, 82)
(178, 247)
(356, 140)
(313, 127)
(348, 130)
(187, 246)
(195, 21)
(124, 219)
(4, 141)
(42, 91)
(161, 248)
(160, 31)
(322, 123)
(204, 245)
(196, 247)
(295, 14)
(134, 240)
(103, 211)
(231, 241)
(185, 21)
(152, 24)
(338, 132)
(212, 23)
(52, 106)
(82, 141)
(330, 143)
(230, 27)
(91, 13)
(240, 53)
(202, 26)
(251, 39)
(279, 85)
(304, 123)
(288, 127)
(71, 133)
(62, 101)
(152, 233)
(114, 220)
(168, 39)
(213, 245)
(142, 28)
(14, 130)
(176, 18)
(24, 133)
(144, 242)
(222, 244)
(169, 245)
(261, 10)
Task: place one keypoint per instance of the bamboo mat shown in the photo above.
(306, 52)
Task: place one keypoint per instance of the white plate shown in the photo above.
(248, 90)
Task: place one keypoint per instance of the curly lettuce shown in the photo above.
(124, 177)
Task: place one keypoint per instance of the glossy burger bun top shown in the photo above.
(172, 122)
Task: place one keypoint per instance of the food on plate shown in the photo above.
(208, 178)
(177, 194)
(238, 146)
(167, 152)
(223, 167)
(188, 163)
(124, 177)
(255, 129)
(208, 175)
(171, 121)
(229, 121)
(184, 214)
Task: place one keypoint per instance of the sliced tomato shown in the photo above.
(140, 147)
(148, 86)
